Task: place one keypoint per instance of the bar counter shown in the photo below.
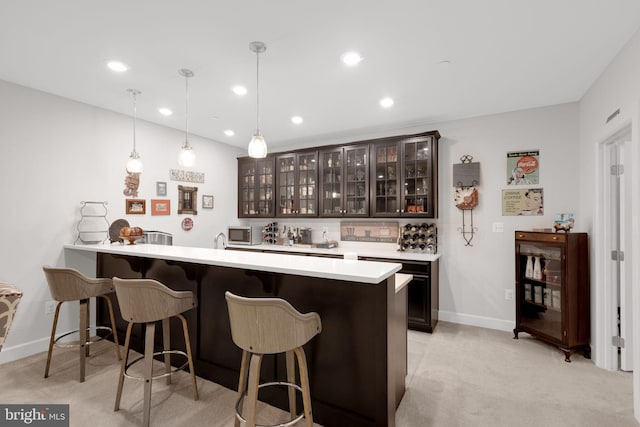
(357, 367)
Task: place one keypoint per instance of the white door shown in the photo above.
(618, 199)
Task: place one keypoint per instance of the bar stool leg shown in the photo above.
(123, 365)
(254, 381)
(304, 383)
(148, 370)
(187, 343)
(83, 336)
(113, 325)
(52, 339)
(166, 345)
(242, 381)
(291, 377)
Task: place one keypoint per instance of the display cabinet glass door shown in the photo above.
(385, 178)
(307, 185)
(541, 288)
(297, 183)
(356, 191)
(331, 183)
(255, 198)
(417, 176)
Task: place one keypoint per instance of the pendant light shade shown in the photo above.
(257, 145)
(187, 157)
(134, 164)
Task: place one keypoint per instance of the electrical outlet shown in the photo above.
(50, 307)
(508, 294)
(498, 227)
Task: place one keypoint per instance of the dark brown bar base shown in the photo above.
(357, 365)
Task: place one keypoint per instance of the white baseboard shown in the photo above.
(9, 354)
(473, 320)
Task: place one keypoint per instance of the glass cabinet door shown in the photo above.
(385, 176)
(540, 278)
(255, 198)
(356, 185)
(286, 170)
(307, 185)
(417, 176)
(331, 183)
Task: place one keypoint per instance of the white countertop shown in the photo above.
(402, 280)
(327, 268)
(340, 251)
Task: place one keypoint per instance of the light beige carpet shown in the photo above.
(458, 376)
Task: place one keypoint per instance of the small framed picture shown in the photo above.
(207, 202)
(161, 188)
(136, 206)
(160, 207)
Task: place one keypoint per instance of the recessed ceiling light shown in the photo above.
(117, 66)
(445, 62)
(229, 132)
(239, 90)
(386, 102)
(351, 58)
(296, 120)
(165, 111)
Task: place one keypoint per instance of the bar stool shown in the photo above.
(262, 326)
(68, 284)
(148, 301)
(9, 298)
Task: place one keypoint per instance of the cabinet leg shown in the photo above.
(567, 355)
(587, 352)
(515, 334)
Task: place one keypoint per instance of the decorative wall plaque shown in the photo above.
(187, 176)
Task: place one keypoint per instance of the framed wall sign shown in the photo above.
(161, 188)
(207, 201)
(136, 206)
(160, 207)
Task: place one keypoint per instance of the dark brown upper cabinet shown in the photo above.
(255, 188)
(297, 184)
(344, 187)
(404, 176)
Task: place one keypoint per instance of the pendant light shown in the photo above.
(257, 145)
(134, 164)
(187, 157)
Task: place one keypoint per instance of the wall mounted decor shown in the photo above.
(187, 224)
(466, 176)
(523, 202)
(522, 167)
(131, 184)
(207, 202)
(136, 206)
(160, 207)
(161, 188)
(187, 200)
(361, 231)
(186, 176)
(93, 226)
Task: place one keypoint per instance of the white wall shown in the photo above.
(54, 153)
(617, 88)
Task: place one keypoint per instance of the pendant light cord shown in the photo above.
(134, 121)
(186, 120)
(258, 92)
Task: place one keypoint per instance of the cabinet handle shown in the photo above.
(555, 238)
(520, 235)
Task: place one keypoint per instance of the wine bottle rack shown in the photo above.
(419, 238)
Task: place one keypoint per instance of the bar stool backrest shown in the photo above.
(269, 325)
(68, 284)
(147, 300)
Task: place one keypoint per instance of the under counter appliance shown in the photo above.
(244, 235)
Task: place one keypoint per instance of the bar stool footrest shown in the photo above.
(299, 417)
(91, 339)
(158, 353)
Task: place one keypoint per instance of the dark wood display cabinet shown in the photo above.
(552, 289)
(344, 184)
(297, 183)
(255, 188)
(404, 176)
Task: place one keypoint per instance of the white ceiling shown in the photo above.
(504, 55)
